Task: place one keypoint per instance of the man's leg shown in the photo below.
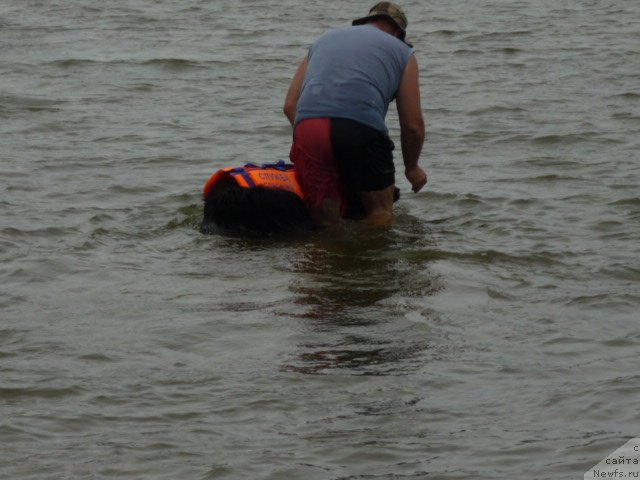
(316, 170)
(365, 160)
(327, 213)
(378, 206)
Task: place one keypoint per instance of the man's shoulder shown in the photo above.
(365, 33)
(336, 36)
(347, 30)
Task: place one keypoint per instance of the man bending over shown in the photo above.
(337, 102)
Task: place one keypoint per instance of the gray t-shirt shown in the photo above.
(353, 72)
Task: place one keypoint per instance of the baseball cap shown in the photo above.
(387, 10)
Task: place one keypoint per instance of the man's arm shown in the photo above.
(293, 94)
(411, 124)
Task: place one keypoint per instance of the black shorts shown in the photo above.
(364, 156)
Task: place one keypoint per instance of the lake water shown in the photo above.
(491, 333)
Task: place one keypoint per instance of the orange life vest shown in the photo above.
(278, 175)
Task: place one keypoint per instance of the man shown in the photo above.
(337, 103)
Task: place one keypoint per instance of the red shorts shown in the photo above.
(339, 158)
(316, 167)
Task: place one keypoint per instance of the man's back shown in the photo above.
(354, 73)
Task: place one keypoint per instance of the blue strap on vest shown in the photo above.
(241, 171)
(279, 165)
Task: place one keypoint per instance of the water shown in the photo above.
(492, 333)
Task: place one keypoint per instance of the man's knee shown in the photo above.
(378, 205)
(378, 200)
(326, 213)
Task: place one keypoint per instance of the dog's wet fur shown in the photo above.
(232, 209)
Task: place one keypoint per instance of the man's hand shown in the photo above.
(417, 177)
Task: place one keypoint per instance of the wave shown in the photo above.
(14, 393)
(511, 50)
(497, 35)
(627, 96)
(490, 256)
(573, 138)
(630, 201)
(168, 63)
(174, 63)
(444, 33)
(550, 139)
(495, 109)
(13, 102)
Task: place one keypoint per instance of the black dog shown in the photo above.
(232, 209)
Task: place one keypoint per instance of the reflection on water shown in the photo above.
(354, 289)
